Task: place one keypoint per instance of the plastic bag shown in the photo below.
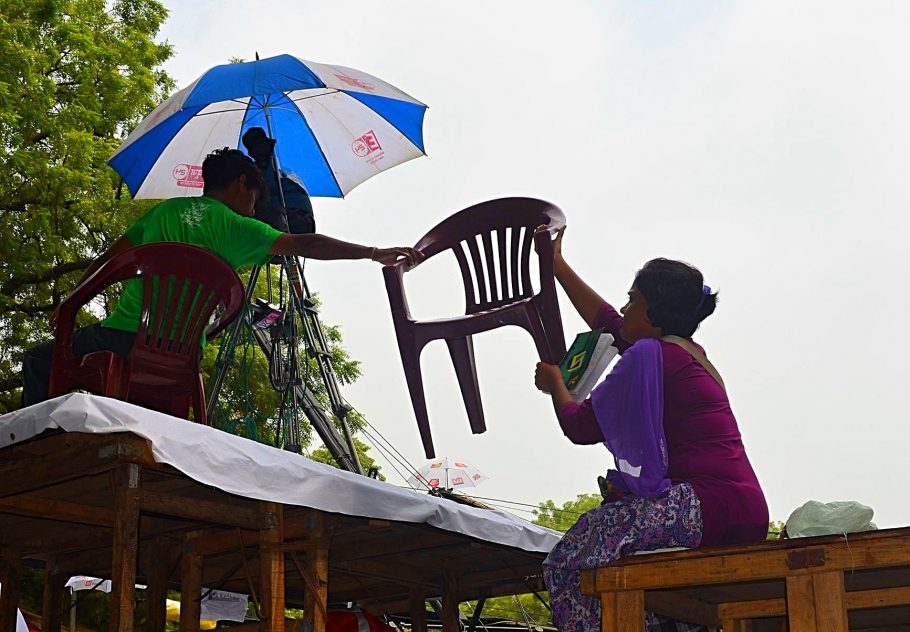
(815, 518)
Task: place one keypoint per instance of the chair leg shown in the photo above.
(462, 352)
(410, 360)
(552, 337)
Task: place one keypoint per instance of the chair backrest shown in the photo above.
(492, 243)
(182, 286)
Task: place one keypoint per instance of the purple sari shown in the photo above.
(629, 407)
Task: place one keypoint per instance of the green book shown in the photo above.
(585, 361)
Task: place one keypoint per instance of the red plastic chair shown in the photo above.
(162, 372)
(495, 295)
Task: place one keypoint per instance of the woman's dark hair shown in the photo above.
(223, 166)
(678, 300)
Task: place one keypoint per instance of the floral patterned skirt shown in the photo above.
(611, 531)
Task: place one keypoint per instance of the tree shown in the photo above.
(76, 75)
(520, 607)
(561, 518)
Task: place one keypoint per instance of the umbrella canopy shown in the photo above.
(446, 473)
(335, 126)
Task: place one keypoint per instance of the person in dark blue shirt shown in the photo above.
(296, 215)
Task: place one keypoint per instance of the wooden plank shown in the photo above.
(52, 601)
(878, 598)
(830, 605)
(857, 600)
(749, 564)
(608, 622)
(316, 568)
(191, 570)
(801, 604)
(99, 454)
(450, 613)
(201, 510)
(271, 560)
(156, 563)
(630, 611)
(125, 483)
(33, 507)
(418, 610)
(753, 609)
(10, 576)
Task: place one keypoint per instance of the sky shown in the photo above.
(764, 142)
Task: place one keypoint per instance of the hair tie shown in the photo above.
(705, 292)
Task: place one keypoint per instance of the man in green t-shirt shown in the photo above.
(221, 220)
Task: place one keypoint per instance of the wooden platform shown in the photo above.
(825, 584)
(99, 505)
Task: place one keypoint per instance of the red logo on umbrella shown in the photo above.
(366, 144)
(188, 175)
(457, 481)
(434, 482)
(355, 83)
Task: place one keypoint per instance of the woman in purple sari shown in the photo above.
(682, 478)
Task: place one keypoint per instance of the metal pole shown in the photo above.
(231, 339)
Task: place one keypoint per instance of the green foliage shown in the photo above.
(249, 405)
(775, 529)
(528, 607)
(561, 518)
(75, 76)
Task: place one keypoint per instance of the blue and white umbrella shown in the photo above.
(335, 126)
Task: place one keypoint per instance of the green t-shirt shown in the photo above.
(200, 221)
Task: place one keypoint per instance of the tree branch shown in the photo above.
(46, 276)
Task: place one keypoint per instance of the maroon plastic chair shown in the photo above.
(498, 292)
(182, 287)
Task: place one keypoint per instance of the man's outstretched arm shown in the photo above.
(315, 246)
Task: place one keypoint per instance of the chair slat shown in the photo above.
(527, 240)
(491, 267)
(504, 293)
(515, 277)
(469, 295)
(483, 296)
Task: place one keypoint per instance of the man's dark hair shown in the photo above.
(677, 297)
(223, 166)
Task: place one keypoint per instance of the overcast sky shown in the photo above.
(764, 142)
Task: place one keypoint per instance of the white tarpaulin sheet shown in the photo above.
(246, 468)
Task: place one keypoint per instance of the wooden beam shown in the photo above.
(93, 453)
(32, 507)
(52, 602)
(125, 483)
(191, 569)
(418, 610)
(156, 564)
(271, 560)
(316, 567)
(749, 564)
(201, 510)
(10, 576)
(830, 605)
(450, 613)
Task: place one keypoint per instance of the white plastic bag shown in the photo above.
(815, 518)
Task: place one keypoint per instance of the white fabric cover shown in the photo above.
(246, 468)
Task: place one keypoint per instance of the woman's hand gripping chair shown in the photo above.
(498, 292)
